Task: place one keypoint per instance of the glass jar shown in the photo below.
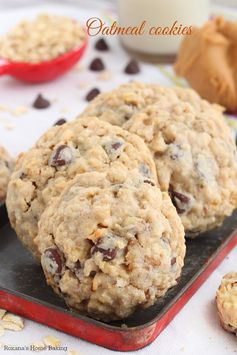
(165, 14)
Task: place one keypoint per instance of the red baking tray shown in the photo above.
(23, 291)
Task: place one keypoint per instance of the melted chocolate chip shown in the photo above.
(77, 266)
(173, 261)
(62, 155)
(92, 94)
(132, 67)
(92, 273)
(41, 102)
(101, 45)
(53, 261)
(97, 65)
(22, 176)
(108, 254)
(116, 145)
(113, 148)
(149, 182)
(60, 122)
(180, 201)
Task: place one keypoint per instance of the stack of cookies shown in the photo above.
(104, 208)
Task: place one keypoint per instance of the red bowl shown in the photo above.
(43, 71)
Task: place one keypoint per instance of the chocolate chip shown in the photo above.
(92, 273)
(92, 94)
(60, 122)
(108, 253)
(101, 45)
(180, 201)
(97, 65)
(40, 102)
(149, 182)
(7, 164)
(22, 176)
(132, 67)
(53, 261)
(173, 261)
(113, 148)
(77, 265)
(62, 155)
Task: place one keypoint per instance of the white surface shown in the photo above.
(195, 330)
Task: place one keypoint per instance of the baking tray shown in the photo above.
(23, 290)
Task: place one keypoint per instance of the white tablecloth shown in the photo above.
(196, 329)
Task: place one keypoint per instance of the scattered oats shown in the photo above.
(12, 322)
(3, 107)
(105, 75)
(73, 352)
(1, 345)
(20, 110)
(3, 120)
(2, 313)
(49, 340)
(2, 330)
(9, 126)
(37, 346)
(78, 67)
(64, 110)
(83, 85)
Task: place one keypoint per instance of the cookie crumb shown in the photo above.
(12, 322)
(105, 75)
(20, 110)
(51, 341)
(83, 85)
(64, 110)
(3, 108)
(9, 126)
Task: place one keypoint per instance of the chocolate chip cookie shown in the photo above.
(109, 246)
(226, 300)
(62, 153)
(6, 167)
(191, 144)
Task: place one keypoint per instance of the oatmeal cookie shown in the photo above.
(226, 300)
(192, 146)
(6, 167)
(59, 155)
(110, 247)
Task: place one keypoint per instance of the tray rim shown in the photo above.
(128, 338)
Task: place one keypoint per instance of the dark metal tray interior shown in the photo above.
(21, 275)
